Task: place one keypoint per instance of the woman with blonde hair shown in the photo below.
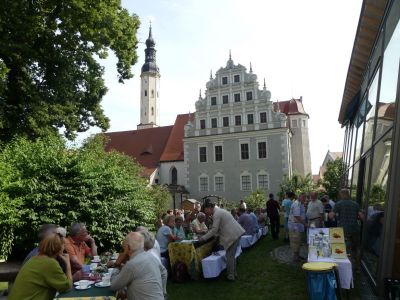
(42, 276)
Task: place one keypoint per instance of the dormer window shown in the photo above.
(236, 78)
(202, 124)
(225, 80)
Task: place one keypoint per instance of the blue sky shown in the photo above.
(302, 48)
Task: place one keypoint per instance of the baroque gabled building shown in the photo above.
(236, 141)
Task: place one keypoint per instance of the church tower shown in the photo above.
(150, 88)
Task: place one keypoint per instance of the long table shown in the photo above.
(186, 252)
(94, 293)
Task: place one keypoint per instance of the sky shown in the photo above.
(301, 48)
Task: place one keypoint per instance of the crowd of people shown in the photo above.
(140, 274)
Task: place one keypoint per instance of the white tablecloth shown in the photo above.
(249, 240)
(214, 264)
(344, 269)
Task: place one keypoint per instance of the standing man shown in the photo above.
(143, 275)
(286, 205)
(78, 245)
(229, 232)
(315, 211)
(273, 215)
(347, 213)
(297, 222)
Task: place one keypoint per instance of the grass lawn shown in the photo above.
(3, 286)
(260, 277)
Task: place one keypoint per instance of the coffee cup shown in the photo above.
(106, 280)
(96, 258)
(83, 284)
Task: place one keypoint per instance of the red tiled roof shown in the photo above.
(386, 111)
(174, 149)
(144, 145)
(290, 107)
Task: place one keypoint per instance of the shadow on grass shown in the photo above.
(260, 277)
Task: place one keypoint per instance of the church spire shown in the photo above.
(150, 55)
(251, 68)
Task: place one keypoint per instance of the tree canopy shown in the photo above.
(332, 180)
(296, 184)
(43, 181)
(50, 77)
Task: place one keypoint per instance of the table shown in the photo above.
(249, 240)
(214, 264)
(94, 293)
(344, 269)
(191, 256)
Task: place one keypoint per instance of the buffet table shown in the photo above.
(214, 264)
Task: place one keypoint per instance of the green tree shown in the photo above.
(332, 180)
(49, 53)
(296, 184)
(256, 199)
(43, 181)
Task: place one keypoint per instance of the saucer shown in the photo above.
(100, 284)
(86, 288)
(90, 282)
(95, 261)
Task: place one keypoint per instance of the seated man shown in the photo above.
(199, 226)
(143, 275)
(76, 245)
(246, 221)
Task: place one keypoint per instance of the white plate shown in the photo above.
(95, 261)
(100, 284)
(86, 288)
(89, 281)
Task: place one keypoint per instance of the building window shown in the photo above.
(304, 123)
(249, 95)
(263, 181)
(225, 121)
(262, 150)
(224, 80)
(213, 100)
(203, 154)
(152, 93)
(225, 99)
(219, 183)
(174, 176)
(263, 117)
(246, 183)
(203, 184)
(214, 123)
(152, 111)
(202, 124)
(236, 78)
(237, 97)
(250, 119)
(218, 153)
(238, 120)
(145, 93)
(244, 151)
(294, 123)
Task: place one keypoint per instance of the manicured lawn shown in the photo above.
(3, 286)
(260, 277)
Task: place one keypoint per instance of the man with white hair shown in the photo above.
(198, 224)
(143, 274)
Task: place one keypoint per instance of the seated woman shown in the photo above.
(42, 276)
(165, 234)
(179, 231)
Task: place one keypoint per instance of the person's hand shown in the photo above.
(65, 258)
(89, 239)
